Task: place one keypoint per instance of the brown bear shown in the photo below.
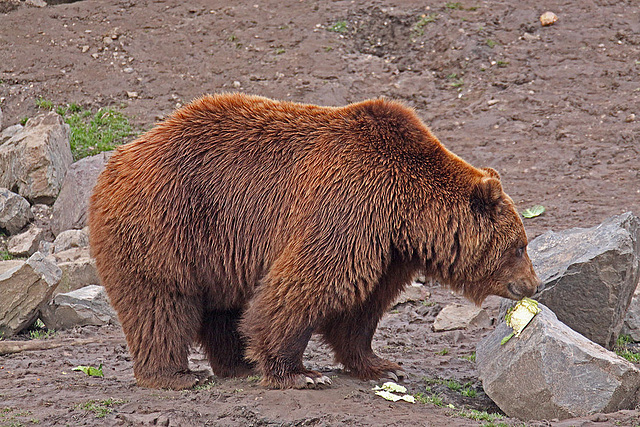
(246, 225)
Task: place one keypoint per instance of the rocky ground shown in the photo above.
(556, 110)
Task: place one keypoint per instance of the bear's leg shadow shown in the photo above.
(223, 344)
(159, 326)
(278, 330)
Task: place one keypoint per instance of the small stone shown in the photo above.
(236, 84)
(25, 244)
(85, 48)
(630, 118)
(69, 239)
(132, 94)
(95, 55)
(15, 211)
(531, 37)
(128, 70)
(548, 18)
(460, 316)
(492, 102)
(107, 40)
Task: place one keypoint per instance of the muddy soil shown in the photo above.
(556, 110)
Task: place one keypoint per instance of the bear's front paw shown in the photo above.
(302, 380)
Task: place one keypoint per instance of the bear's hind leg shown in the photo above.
(278, 334)
(223, 344)
(160, 326)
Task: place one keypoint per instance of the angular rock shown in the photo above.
(551, 371)
(77, 274)
(8, 133)
(35, 160)
(460, 316)
(70, 208)
(631, 325)
(25, 244)
(24, 287)
(15, 211)
(86, 306)
(78, 269)
(71, 239)
(590, 275)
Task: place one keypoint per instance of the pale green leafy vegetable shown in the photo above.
(519, 317)
(533, 211)
(387, 392)
(90, 370)
(395, 397)
(391, 386)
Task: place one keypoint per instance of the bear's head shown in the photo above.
(496, 245)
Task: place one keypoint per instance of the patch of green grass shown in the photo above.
(491, 43)
(93, 133)
(432, 398)
(5, 255)
(9, 417)
(502, 64)
(279, 51)
(254, 378)
(208, 385)
(418, 28)
(100, 408)
(464, 389)
(471, 357)
(44, 104)
(41, 334)
(453, 5)
(24, 120)
(339, 27)
(479, 415)
(622, 349)
(443, 352)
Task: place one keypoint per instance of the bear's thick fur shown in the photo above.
(246, 224)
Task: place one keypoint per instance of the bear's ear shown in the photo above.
(486, 195)
(491, 172)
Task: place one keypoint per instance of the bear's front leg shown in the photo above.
(350, 335)
(277, 335)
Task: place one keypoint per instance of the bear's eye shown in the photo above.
(520, 252)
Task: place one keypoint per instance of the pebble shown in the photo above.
(492, 102)
(630, 118)
(128, 70)
(132, 94)
(85, 48)
(548, 18)
(236, 84)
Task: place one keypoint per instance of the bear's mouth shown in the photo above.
(514, 291)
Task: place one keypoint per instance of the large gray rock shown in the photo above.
(70, 208)
(27, 243)
(86, 306)
(460, 316)
(15, 211)
(25, 286)
(590, 275)
(551, 371)
(35, 160)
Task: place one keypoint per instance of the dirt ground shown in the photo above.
(556, 110)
